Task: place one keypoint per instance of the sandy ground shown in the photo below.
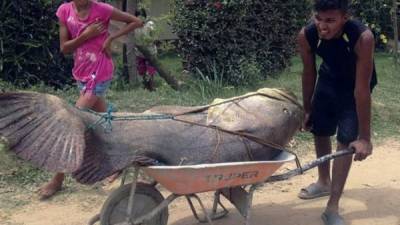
(372, 197)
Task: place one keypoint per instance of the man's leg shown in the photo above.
(347, 132)
(322, 186)
(341, 168)
(323, 147)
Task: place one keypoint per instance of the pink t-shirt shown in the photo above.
(91, 64)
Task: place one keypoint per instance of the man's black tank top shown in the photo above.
(338, 66)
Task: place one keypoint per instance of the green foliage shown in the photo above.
(376, 14)
(29, 44)
(227, 36)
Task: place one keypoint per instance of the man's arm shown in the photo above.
(309, 74)
(364, 50)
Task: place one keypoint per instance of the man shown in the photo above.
(339, 101)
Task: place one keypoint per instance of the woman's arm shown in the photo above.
(132, 22)
(68, 45)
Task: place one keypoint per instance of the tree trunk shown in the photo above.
(130, 53)
(162, 71)
(125, 71)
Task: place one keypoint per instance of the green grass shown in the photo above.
(386, 109)
(386, 99)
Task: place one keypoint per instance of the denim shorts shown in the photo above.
(100, 88)
(332, 113)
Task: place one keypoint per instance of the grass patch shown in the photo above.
(386, 107)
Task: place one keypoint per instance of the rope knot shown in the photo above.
(108, 118)
(105, 119)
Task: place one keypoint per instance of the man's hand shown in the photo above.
(363, 149)
(307, 124)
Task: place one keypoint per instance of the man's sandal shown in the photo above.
(313, 190)
(332, 218)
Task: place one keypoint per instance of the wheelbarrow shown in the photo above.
(140, 203)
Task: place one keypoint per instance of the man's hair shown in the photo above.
(324, 5)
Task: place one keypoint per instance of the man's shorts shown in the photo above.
(333, 113)
(100, 88)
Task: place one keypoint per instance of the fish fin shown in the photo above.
(42, 129)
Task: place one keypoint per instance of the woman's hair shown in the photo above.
(324, 5)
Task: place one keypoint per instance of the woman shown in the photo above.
(84, 32)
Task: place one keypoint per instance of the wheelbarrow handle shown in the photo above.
(310, 165)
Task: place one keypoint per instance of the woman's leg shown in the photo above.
(87, 100)
(100, 105)
(52, 187)
(55, 184)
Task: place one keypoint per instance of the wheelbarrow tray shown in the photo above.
(190, 179)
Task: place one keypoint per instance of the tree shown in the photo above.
(129, 46)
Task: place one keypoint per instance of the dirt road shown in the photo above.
(372, 197)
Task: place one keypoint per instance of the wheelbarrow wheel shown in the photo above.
(147, 197)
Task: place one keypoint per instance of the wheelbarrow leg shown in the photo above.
(206, 215)
(250, 203)
(241, 199)
(217, 202)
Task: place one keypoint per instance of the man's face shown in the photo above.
(330, 23)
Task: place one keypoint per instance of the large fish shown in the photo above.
(50, 133)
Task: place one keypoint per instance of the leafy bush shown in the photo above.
(376, 14)
(242, 40)
(30, 45)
